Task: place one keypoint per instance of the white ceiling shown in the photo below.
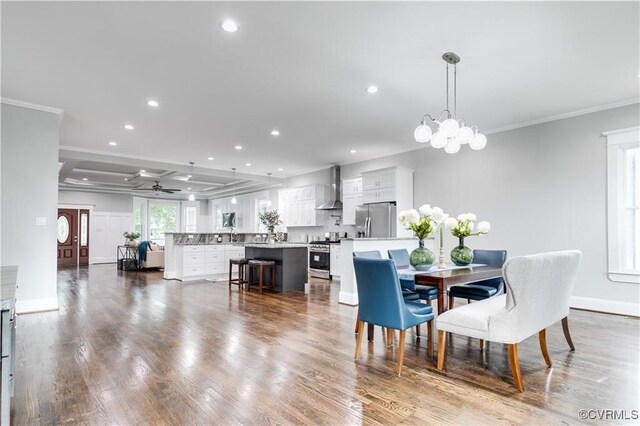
(303, 68)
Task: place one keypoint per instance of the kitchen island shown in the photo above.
(291, 263)
(348, 289)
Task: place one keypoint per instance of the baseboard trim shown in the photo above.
(607, 306)
(30, 306)
(350, 299)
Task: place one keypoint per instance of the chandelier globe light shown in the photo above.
(452, 132)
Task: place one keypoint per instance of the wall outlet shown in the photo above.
(41, 221)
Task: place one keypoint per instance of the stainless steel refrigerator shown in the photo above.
(376, 220)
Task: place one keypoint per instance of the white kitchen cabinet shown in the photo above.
(334, 260)
(351, 197)
(378, 179)
(198, 262)
(383, 195)
(299, 205)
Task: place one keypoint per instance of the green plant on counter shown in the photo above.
(270, 219)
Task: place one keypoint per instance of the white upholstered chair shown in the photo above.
(538, 293)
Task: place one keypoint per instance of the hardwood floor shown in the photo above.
(131, 348)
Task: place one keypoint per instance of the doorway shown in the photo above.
(73, 237)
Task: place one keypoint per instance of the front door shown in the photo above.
(73, 237)
(67, 237)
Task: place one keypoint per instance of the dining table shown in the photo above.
(442, 279)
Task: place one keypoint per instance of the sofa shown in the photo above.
(155, 257)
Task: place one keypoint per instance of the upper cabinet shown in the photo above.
(351, 197)
(390, 185)
(297, 206)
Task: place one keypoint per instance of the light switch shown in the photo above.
(41, 221)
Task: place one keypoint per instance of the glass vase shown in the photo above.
(421, 258)
(461, 255)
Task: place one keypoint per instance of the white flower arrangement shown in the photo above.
(422, 221)
(463, 226)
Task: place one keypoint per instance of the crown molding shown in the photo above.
(590, 110)
(29, 105)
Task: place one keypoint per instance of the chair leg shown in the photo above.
(357, 316)
(390, 337)
(359, 339)
(370, 332)
(442, 337)
(403, 335)
(418, 330)
(451, 299)
(542, 337)
(515, 366)
(430, 339)
(567, 335)
(230, 269)
(481, 345)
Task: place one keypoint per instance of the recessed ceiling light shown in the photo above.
(143, 171)
(229, 26)
(238, 147)
(127, 179)
(353, 151)
(153, 103)
(280, 169)
(189, 189)
(248, 164)
(275, 132)
(113, 143)
(210, 158)
(372, 89)
(85, 179)
(129, 126)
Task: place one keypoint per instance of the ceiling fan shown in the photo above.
(158, 188)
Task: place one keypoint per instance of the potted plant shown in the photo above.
(130, 238)
(270, 219)
(462, 227)
(422, 223)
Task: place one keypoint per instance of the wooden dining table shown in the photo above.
(443, 279)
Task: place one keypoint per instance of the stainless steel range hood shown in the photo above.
(334, 202)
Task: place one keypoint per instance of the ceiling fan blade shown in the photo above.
(142, 189)
(171, 189)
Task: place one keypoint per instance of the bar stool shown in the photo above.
(242, 263)
(263, 266)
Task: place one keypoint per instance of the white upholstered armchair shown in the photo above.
(538, 292)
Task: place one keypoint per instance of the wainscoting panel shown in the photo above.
(106, 234)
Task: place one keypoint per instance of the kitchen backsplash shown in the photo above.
(302, 233)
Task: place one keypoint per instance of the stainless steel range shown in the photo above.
(319, 259)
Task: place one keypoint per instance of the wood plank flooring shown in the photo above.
(131, 348)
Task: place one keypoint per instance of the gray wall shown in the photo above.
(543, 188)
(102, 202)
(30, 190)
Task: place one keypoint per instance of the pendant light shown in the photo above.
(233, 199)
(191, 196)
(452, 132)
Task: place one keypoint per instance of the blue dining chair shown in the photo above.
(407, 294)
(401, 259)
(483, 289)
(381, 303)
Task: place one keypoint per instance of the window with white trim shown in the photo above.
(623, 212)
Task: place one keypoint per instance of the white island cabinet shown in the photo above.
(197, 261)
(348, 288)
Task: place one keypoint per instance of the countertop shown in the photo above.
(8, 285)
(276, 245)
(383, 239)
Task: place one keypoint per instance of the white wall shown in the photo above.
(542, 187)
(30, 190)
(106, 234)
(101, 201)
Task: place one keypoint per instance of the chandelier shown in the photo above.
(452, 132)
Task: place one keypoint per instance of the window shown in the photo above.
(189, 217)
(262, 206)
(164, 216)
(623, 212)
(140, 216)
